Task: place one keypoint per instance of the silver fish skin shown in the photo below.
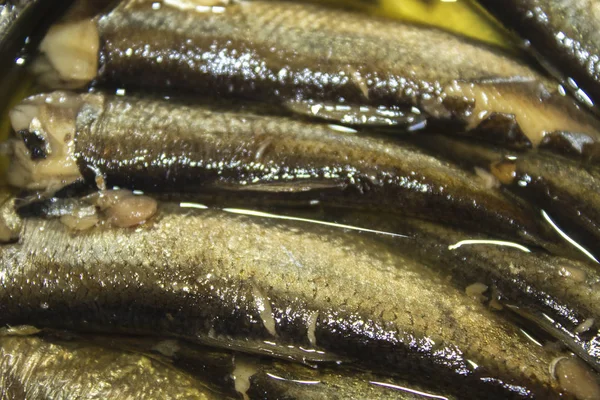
(291, 54)
(214, 277)
(267, 378)
(564, 36)
(36, 368)
(562, 289)
(567, 190)
(169, 146)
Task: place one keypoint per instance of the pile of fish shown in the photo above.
(284, 200)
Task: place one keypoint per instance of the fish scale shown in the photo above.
(172, 146)
(33, 368)
(537, 283)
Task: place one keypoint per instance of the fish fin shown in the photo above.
(19, 330)
(284, 187)
(359, 115)
(556, 330)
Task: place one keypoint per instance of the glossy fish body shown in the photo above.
(564, 34)
(563, 289)
(291, 54)
(216, 278)
(34, 368)
(565, 189)
(569, 192)
(259, 378)
(166, 146)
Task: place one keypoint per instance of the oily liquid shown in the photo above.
(463, 17)
(459, 16)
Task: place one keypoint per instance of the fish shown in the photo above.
(32, 367)
(361, 70)
(561, 291)
(564, 191)
(562, 34)
(257, 285)
(167, 146)
(253, 377)
(561, 288)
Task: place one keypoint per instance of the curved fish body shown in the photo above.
(564, 34)
(566, 190)
(36, 368)
(263, 378)
(562, 289)
(165, 146)
(360, 70)
(218, 278)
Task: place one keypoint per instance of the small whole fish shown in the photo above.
(224, 279)
(567, 191)
(360, 70)
(563, 34)
(562, 289)
(36, 368)
(261, 378)
(166, 146)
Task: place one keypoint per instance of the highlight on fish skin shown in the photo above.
(502, 274)
(38, 368)
(217, 373)
(561, 187)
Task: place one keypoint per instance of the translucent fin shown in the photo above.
(355, 115)
(284, 187)
(567, 338)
